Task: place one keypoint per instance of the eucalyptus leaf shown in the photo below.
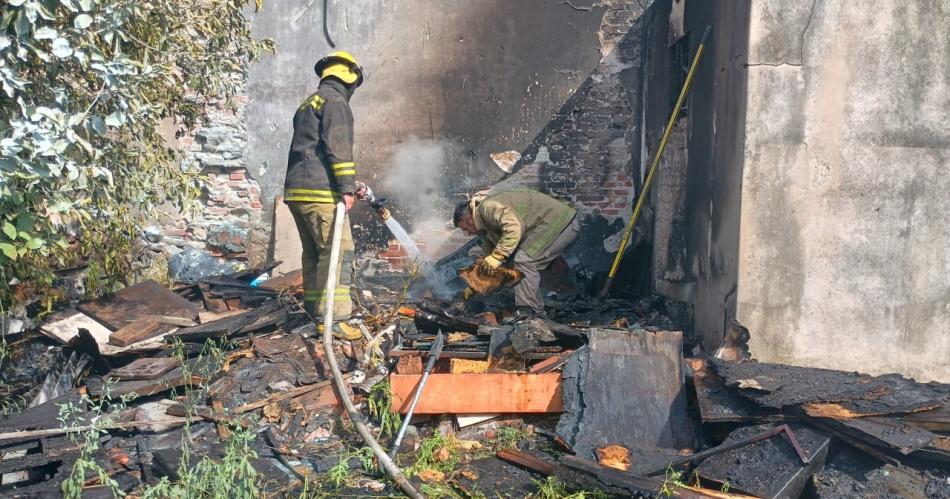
(21, 25)
(34, 244)
(8, 250)
(82, 21)
(61, 48)
(45, 33)
(9, 230)
(98, 125)
(116, 119)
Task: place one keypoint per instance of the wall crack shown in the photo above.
(801, 47)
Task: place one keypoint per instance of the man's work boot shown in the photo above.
(523, 314)
(343, 331)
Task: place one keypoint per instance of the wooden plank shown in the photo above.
(585, 474)
(444, 355)
(551, 363)
(205, 317)
(144, 388)
(322, 399)
(466, 420)
(64, 326)
(291, 282)
(779, 386)
(137, 330)
(175, 321)
(717, 403)
(136, 301)
(479, 393)
(526, 460)
(145, 368)
(409, 365)
(277, 397)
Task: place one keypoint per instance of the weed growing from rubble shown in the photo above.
(672, 481)
(552, 488)
(436, 452)
(231, 476)
(102, 415)
(440, 491)
(380, 402)
(510, 437)
(341, 472)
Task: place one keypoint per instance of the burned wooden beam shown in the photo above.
(527, 461)
(136, 301)
(779, 386)
(626, 388)
(588, 475)
(718, 403)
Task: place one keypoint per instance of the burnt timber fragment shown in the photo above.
(625, 388)
(779, 385)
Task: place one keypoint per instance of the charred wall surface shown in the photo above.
(692, 222)
(845, 214)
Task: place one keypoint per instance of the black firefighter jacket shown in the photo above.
(320, 165)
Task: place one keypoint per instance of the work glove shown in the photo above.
(489, 265)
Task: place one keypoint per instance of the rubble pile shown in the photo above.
(595, 396)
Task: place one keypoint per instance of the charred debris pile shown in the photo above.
(597, 397)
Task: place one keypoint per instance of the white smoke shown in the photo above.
(416, 180)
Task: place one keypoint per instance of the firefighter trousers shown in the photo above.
(315, 226)
(528, 289)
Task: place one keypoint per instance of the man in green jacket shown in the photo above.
(320, 173)
(529, 228)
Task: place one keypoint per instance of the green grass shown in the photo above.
(380, 402)
(552, 488)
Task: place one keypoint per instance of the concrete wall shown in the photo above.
(845, 228)
(485, 75)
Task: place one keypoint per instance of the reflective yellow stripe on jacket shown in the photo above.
(346, 168)
(312, 195)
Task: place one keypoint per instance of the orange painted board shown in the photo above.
(512, 393)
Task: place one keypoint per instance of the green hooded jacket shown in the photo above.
(520, 219)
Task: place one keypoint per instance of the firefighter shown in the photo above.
(320, 173)
(525, 227)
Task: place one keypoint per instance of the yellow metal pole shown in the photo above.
(656, 162)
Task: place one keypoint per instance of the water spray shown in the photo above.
(412, 250)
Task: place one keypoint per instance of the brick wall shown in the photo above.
(589, 152)
(228, 221)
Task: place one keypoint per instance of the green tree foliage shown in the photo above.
(84, 85)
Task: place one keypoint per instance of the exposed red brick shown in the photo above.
(236, 175)
(256, 204)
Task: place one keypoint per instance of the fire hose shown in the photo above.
(385, 462)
